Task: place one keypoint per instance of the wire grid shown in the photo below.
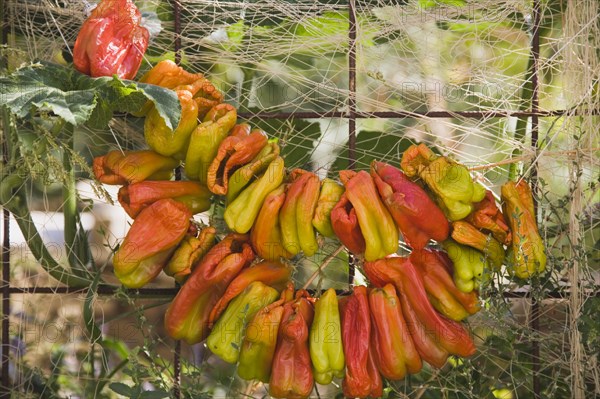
(351, 114)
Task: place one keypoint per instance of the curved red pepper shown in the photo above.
(346, 227)
(362, 377)
(417, 216)
(187, 316)
(292, 370)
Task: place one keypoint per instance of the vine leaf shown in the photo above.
(80, 99)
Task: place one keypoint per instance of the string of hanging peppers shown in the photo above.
(236, 293)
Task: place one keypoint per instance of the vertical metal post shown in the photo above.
(5, 391)
(5, 387)
(535, 306)
(177, 29)
(177, 48)
(351, 107)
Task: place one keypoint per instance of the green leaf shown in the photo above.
(78, 98)
(121, 389)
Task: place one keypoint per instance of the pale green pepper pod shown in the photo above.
(225, 340)
(206, 139)
(451, 182)
(326, 349)
(330, 194)
(242, 212)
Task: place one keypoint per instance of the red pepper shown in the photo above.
(292, 376)
(442, 292)
(187, 316)
(150, 242)
(118, 167)
(135, 197)
(362, 377)
(434, 335)
(111, 41)
(346, 227)
(273, 274)
(417, 216)
(394, 350)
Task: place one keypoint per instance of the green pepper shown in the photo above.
(244, 175)
(205, 141)
(260, 340)
(242, 212)
(450, 181)
(329, 196)
(225, 339)
(326, 350)
(168, 142)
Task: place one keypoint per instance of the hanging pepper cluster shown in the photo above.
(236, 292)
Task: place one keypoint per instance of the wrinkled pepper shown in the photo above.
(527, 252)
(394, 350)
(118, 167)
(189, 252)
(260, 340)
(273, 274)
(205, 140)
(326, 348)
(443, 294)
(345, 226)
(242, 212)
(225, 339)
(111, 41)
(487, 217)
(362, 377)
(169, 75)
(384, 271)
(417, 216)
(244, 175)
(329, 196)
(450, 181)
(150, 242)
(296, 214)
(238, 149)
(291, 376)
(471, 268)
(166, 141)
(466, 234)
(434, 336)
(376, 223)
(187, 315)
(135, 197)
(266, 231)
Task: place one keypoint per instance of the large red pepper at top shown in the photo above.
(416, 215)
(111, 41)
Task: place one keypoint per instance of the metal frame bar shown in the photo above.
(352, 114)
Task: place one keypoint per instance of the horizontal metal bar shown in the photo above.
(167, 291)
(409, 114)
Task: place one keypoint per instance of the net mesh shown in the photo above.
(469, 58)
